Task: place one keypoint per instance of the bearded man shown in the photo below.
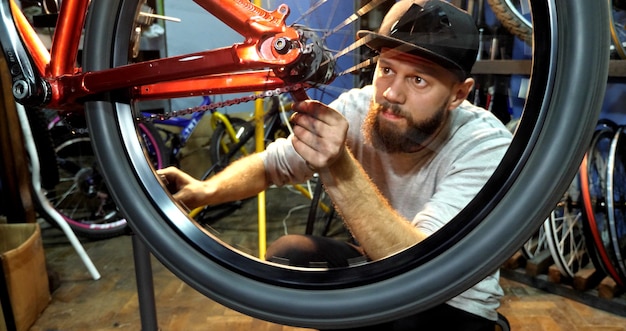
(399, 158)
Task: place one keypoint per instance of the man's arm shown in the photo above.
(319, 137)
(242, 179)
(378, 228)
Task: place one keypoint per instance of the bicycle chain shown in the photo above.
(222, 104)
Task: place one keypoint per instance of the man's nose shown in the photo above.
(394, 93)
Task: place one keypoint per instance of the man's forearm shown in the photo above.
(242, 179)
(378, 228)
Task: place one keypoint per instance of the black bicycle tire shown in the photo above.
(558, 121)
(510, 18)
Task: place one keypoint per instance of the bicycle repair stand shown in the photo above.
(145, 285)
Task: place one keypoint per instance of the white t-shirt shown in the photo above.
(428, 187)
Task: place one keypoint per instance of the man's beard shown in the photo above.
(390, 138)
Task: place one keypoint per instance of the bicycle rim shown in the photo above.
(557, 122)
(615, 202)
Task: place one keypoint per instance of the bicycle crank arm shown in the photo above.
(27, 87)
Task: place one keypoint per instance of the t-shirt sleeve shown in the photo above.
(283, 165)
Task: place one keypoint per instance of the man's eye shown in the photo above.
(418, 80)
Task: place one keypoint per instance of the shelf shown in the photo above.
(617, 68)
(502, 67)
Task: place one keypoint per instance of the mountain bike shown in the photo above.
(277, 57)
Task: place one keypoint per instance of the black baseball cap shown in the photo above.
(432, 29)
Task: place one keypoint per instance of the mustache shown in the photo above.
(393, 107)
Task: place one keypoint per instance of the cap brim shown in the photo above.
(377, 41)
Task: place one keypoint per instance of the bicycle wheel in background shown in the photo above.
(153, 145)
(226, 147)
(618, 32)
(564, 233)
(616, 197)
(81, 196)
(536, 245)
(557, 122)
(510, 14)
(593, 171)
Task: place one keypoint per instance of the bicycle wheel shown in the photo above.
(225, 149)
(618, 32)
(81, 196)
(153, 145)
(593, 171)
(314, 221)
(557, 122)
(564, 231)
(509, 14)
(536, 244)
(615, 194)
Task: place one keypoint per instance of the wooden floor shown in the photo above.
(110, 303)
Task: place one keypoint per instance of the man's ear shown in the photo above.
(460, 92)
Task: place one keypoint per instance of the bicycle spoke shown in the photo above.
(310, 10)
(364, 10)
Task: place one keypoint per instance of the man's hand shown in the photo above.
(319, 133)
(184, 188)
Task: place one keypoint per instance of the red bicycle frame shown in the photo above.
(252, 65)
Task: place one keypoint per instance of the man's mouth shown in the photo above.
(388, 113)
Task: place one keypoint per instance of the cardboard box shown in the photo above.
(24, 290)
